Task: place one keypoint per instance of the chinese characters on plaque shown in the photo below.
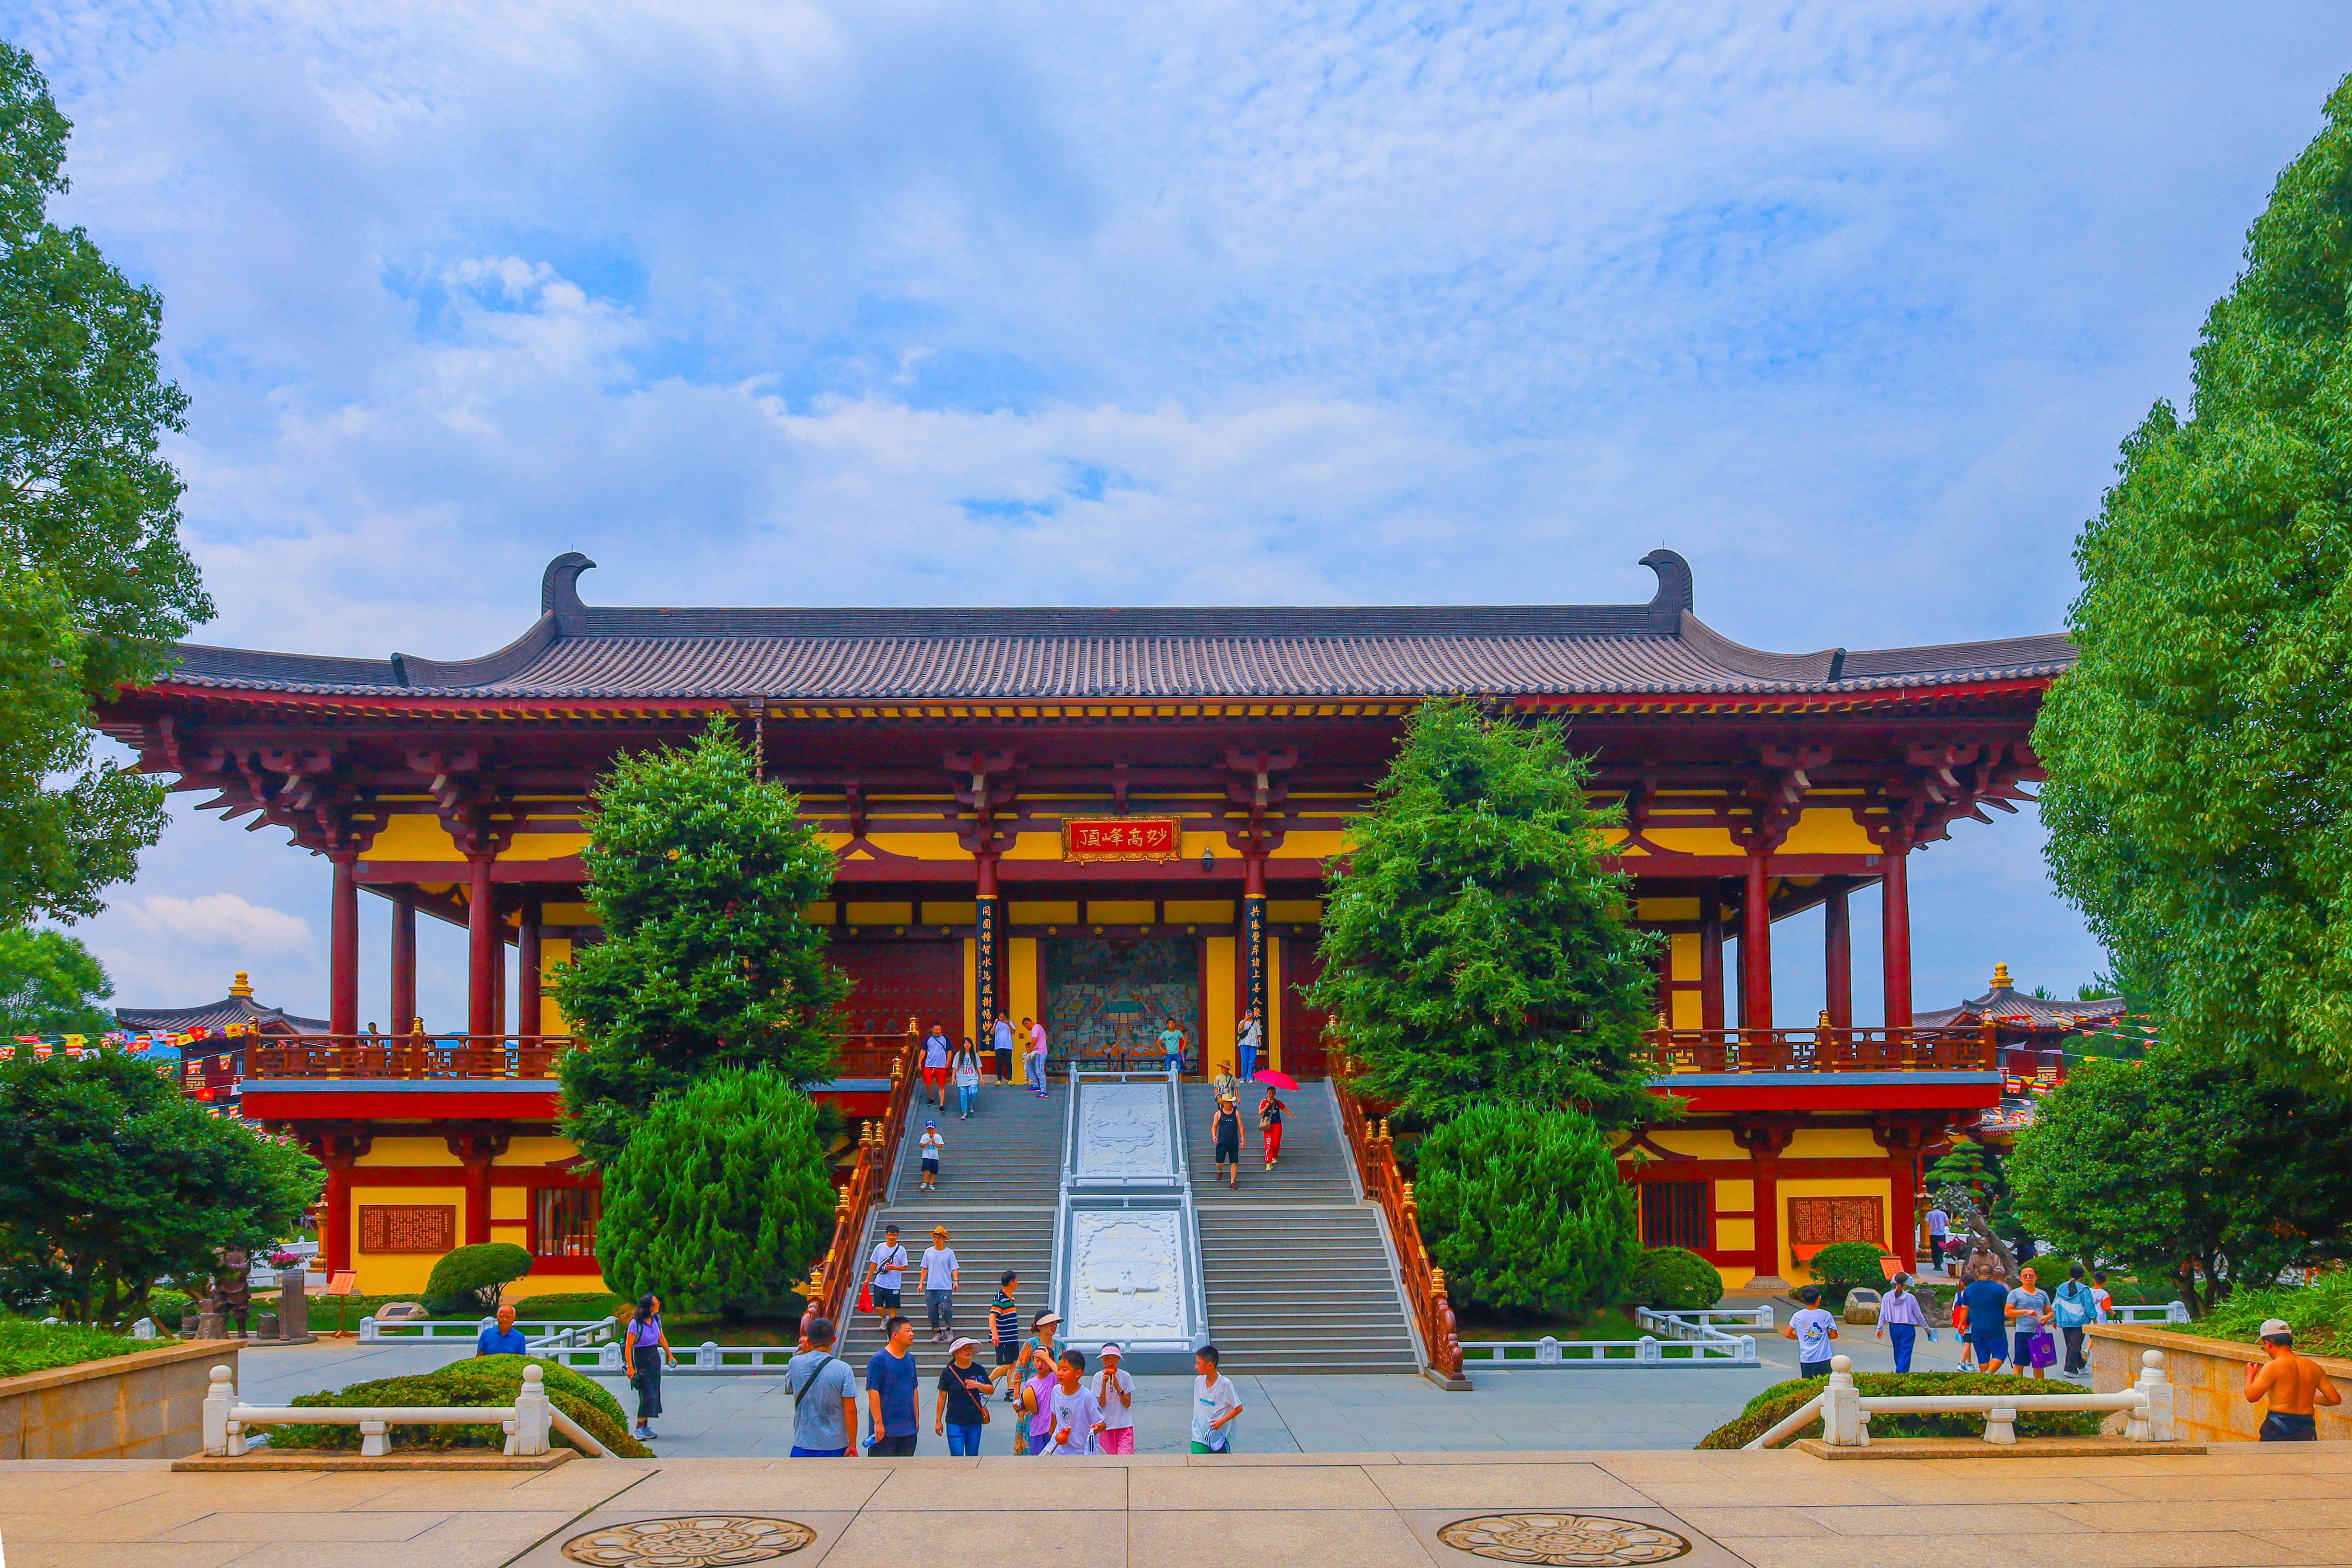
(1122, 839)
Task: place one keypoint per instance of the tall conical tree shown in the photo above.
(699, 871)
(2199, 799)
(1474, 944)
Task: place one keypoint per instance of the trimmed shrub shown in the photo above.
(568, 1305)
(721, 1198)
(467, 1281)
(1525, 1210)
(479, 1379)
(1843, 1264)
(1674, 1278)
(166, 1306)
(1782, 1399)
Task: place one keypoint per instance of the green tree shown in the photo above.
(2191, 1164)
(1962, 1165)
(93, 582)
(51, 984)
(109, 1180)
(699, 871)
(1474, 944)
(469, 1279)
(1525, 1210)
(720, 1201)
(2199, 753)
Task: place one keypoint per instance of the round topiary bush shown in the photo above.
(1843, 1264)
(1674, 1278)
(1525, 1211)
(468, 1279)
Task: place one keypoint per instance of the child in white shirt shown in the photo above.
(1812, 1329)
(1216, 1404)
(1114, 1392)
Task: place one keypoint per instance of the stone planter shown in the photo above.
(2208, 1381)
(150, 1406)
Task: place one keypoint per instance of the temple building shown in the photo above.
(214, 1037)
(1097, 817)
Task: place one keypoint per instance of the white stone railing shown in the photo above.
(2151, 1312)
(458, 1329)
(1703, 1344)
(705, 1359)
(1844, 1412)
(527, 1422)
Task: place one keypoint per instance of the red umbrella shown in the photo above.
(1279, 1079)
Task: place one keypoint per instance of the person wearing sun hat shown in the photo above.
(961, 1412)
(2292, 1382)
(941, 1278)
(1115, 1395)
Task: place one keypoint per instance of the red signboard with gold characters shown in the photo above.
(1122, 839)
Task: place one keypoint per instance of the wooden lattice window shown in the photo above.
(1818, 1222)
(407, 1227)
(1674, 1213)
(564, 1221)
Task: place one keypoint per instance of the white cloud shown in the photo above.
(222, 920)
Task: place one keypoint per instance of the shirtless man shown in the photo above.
(2293, 1382)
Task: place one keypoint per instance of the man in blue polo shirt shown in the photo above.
(504, 1340)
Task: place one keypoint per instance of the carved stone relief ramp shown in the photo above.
(1126, 1247)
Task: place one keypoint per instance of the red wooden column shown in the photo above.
(1837, 959)
(483, 954)
(404, 960)
(1895, 913)
(528, 1011)
(1755, 945)
(336, 1152)
(1710, 961)
(344, 949)
(1764, 1141)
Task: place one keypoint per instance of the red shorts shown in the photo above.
(935, 1078)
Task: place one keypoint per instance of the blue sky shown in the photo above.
(886, 303)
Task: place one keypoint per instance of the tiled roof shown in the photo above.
(218, 1015)
(578, 651)
(2020, 1011)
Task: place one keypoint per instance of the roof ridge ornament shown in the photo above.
(1674, 594)
(559, 585)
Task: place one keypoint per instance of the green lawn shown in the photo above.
(26, 1346)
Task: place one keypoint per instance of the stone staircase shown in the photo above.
(1000, 1179)
(1296, 1272)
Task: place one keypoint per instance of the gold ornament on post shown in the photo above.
(1437, 1282)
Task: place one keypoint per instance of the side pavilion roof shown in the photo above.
(579, 651)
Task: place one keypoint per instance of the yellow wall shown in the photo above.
(419, 835)
(1833, 1143)
(951, 913)
(1691, 841)
(1121, 912)
(1735, 1197)
(1023, 999)
(1219, 1010)
(553, 952)
(531, 1285)
(1199, 911)
(879, 914)
(1050, 913)
(1294, 912)
(397, 1151)
(1705, 1143)
(1665, 908)
(1830, 832)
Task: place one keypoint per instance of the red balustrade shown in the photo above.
(1824, 1049)
(1384, 1184)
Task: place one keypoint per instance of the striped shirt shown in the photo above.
(1003, 1318)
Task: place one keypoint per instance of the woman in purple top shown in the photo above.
(648, 1349)
(1899, 1316)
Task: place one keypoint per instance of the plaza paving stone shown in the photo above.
(2243, 1506)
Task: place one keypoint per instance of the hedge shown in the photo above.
(478, 1380)
(1843, 1264)
(1783, 1398)
(36, 1347)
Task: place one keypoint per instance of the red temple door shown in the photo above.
(1304, 1053)
(891, 982)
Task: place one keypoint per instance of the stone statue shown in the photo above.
(232, 1291)
(1969, 1221)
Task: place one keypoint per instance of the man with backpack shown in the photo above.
(824, 1398)
(2075, 1307)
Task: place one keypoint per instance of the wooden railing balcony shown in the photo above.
(1824, 1049)
(833, 1278)
(481, 1055)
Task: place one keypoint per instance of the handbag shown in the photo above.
(2042, 1347)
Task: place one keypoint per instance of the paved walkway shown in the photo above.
(2247, 1505)
(716, 1417)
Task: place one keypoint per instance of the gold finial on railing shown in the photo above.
(841, 1202)
(1411, 1205)
(898, 1070)
(1385, 1137)
(1437, 1282)
(1825, 1023)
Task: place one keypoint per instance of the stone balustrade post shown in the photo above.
(1842, 1426)
(373, 1443)
(533, 1415)
(2152, 1422)
(220, 1398)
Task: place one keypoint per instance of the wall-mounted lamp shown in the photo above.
(1208, 860)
